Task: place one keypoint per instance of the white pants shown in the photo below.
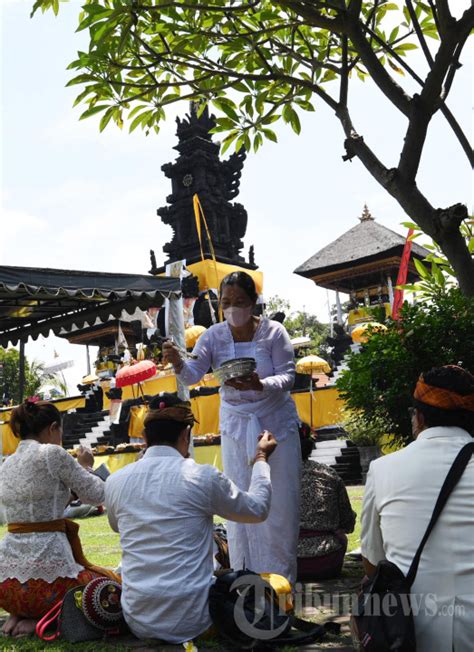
(271, 546)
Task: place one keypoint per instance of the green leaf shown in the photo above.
(227, 106)
(93, 110)
(104, 121)
(271, 135)
(228, 140)
(421, 269)
(80, 79)
(404, 47)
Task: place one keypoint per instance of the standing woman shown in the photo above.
(250, 405)
(40, 556)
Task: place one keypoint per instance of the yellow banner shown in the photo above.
(202, 455)
(327, 407)
(210, 274)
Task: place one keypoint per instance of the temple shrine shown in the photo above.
(199, 170)
(363, 263)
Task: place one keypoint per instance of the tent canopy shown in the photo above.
(34, 301)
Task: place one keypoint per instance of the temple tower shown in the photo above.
(198, 169)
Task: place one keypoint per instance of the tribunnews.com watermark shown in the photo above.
(345, 604)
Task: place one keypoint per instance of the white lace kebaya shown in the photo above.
(35, 485)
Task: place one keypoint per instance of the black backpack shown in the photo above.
(244, 610)
(377, 631)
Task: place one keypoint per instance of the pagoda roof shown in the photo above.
(366, 242)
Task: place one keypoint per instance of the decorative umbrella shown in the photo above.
(308, 365)
(191, 335)
(312, 364)
(361, 333)
(135, 374)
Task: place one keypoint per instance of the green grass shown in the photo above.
(356, 495)
(101, 546)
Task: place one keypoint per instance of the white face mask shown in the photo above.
(238, 317)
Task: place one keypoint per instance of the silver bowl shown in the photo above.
(237, 368)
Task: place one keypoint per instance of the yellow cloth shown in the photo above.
(206, 412)
(205, 270)
(116, 461)
(361, 314)
(327, 407)
(71, 528)
(10, 442)
(202, 455)
(137, 418)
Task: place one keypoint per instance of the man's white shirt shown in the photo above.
(400, 495)
(163, 507)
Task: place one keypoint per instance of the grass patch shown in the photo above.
(356, 494)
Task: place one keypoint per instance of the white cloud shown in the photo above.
(17, 227)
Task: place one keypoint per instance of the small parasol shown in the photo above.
(134, 374)
(311, 364)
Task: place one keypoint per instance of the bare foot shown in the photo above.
(10, 625)
(25, 627)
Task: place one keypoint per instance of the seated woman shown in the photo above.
(326, 517)
(41, 556)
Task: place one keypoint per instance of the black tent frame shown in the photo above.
(36, 301)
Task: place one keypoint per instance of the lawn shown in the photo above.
(101, 545)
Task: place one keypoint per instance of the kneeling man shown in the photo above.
(163, 508)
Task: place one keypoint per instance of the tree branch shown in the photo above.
(414, 140)
(197, 7)
(344, 87)
(451, 120)
(419, 33)
(444, 17)
(379, 74)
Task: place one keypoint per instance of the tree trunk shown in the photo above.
(442, 225)
(456, 251)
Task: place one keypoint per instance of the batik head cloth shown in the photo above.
(443, 399)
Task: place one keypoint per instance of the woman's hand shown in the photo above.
(246, 383)
(172, 355)
(85, 457)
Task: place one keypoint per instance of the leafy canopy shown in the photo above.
(257, 62)
(301, 324)
(10, 378)
(380, 380)
(437, 275)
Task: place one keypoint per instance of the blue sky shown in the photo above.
(74, 198)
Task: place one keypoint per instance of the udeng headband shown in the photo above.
(444, 399)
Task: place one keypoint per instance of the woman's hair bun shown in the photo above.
(32, 416)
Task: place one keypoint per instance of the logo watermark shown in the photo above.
(258, 619)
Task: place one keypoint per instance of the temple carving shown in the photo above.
(198, 169)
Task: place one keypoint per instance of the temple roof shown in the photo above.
(366, 241)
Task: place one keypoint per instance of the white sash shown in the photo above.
(251, 413)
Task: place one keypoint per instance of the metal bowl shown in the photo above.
(237, 368)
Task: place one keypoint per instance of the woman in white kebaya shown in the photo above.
(250, 405)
